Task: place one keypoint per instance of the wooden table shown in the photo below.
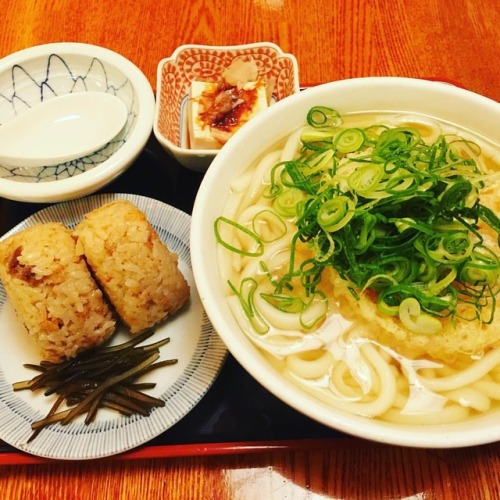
(453, 40)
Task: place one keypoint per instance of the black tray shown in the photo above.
(237, 414)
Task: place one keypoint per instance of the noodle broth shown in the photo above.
(330, 336)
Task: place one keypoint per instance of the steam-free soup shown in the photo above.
(361, 255)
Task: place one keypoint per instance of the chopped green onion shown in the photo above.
(323, 116)
(246, 295)
(414, 320)
(349, 140)
(286, 202)
(284, 303)
(313, 134)
(366, 178)
(391, 214)
(335, 213)
(315, 311)
(259, 248)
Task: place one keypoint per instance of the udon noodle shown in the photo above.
(422, 350)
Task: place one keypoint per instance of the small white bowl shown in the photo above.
(42, 72)
(440, 100)
(204, 62)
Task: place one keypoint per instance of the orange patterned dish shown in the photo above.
(206, 63)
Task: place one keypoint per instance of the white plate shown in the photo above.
(193, 342)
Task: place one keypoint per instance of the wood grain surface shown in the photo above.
(457, 40)
(363, 472)
(454, 40)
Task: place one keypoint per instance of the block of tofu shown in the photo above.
(215, 112)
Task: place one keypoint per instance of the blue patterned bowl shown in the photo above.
(34, 75)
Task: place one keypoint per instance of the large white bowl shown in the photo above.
(37, 74)
(365, 94)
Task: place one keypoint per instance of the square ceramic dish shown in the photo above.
(203, 62)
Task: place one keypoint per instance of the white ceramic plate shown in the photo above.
(193, 342)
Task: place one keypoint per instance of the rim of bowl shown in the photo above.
(178, 150)
(429, 436)
(97, 177)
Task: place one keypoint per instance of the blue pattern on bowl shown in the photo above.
(29, 84)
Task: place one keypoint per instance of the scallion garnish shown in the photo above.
(391, 214)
